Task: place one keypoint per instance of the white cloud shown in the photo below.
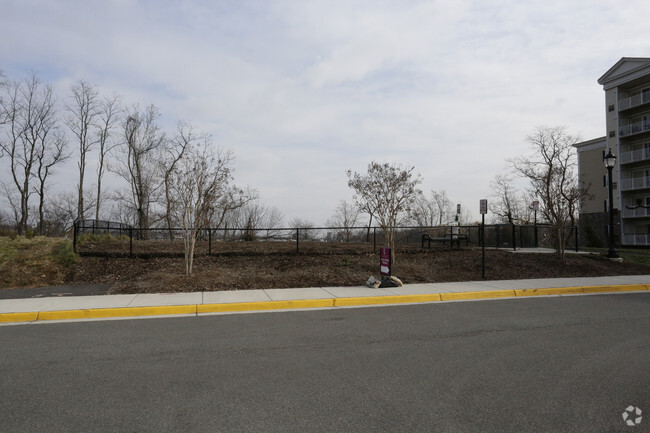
(302, 91)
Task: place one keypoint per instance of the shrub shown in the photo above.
(63, 254)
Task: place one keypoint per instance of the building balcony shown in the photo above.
(635, 183)
(635, 156)
(635, 213)
(636, 239)
(634, 128)
(634, 101)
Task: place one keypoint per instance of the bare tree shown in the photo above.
(50, 152)
(551, 170)
(172, 155)
(253, 218)
(425, 212)
(199, 182)
(107, 118)
(304, 228)
(9, 194)
(137, 161)
(389, 190)
(507, 203)
(346, 217)
(233, 199)
(28, 110)
(444, 206)
(80, 118)
(61, 211)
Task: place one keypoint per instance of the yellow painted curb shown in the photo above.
(18, 317)
(378, 300)
(550, 291)
(100, 313)
(264, 305)
(477, 295)
(615, 288)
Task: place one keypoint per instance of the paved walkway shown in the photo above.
(198, 303)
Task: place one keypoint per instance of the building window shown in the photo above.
(605, 205)
(612, 134)
(604, 180)
(610, 108)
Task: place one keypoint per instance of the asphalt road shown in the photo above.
(570, 364)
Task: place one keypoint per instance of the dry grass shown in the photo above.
(32, 262)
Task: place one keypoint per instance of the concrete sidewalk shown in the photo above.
(198, 303)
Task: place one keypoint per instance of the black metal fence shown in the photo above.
(105, 238)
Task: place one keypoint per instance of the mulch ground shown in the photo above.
(339, 267)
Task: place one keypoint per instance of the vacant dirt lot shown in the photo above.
(339, 266)
(42, 262)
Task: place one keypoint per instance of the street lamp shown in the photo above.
(610, 161)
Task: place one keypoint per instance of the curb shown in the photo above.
(196, 309)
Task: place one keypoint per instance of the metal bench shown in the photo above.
(452, 238)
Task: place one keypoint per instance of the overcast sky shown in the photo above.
(303, 90)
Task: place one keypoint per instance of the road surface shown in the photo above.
(556, 364)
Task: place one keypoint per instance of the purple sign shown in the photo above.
(384, 261)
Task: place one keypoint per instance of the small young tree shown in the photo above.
(551, 170)
(200, 180)
(389, 190)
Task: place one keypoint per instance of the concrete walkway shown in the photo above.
(198, 303)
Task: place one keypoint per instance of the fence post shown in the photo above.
(130, 241)
(374, 239)
(297, 240)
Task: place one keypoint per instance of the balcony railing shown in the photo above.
(634, 101)
(634, 239)
(634, 128)
(635, 155)
(635, 213)
(635, 183)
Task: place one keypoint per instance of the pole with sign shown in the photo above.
(483, 210)
(535, 207)
(384, 262)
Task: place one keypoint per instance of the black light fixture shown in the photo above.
(610, 162)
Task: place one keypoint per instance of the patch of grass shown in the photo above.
(63, 253)
(37, 261)
(640, 257)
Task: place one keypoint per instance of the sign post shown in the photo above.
(483, 209)
(384, 262)
(535, 208)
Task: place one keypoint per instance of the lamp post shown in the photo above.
(610, 161)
